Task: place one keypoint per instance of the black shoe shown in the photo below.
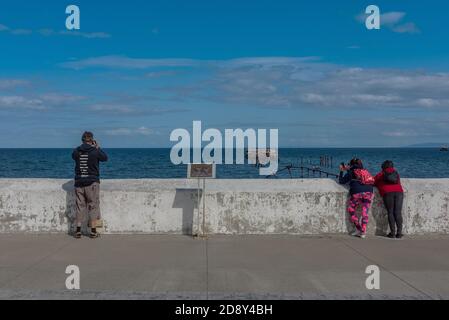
(391, 236)
(399, 236)
(77, 233)
(94, 235)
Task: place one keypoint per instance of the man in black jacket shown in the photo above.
(87, 182)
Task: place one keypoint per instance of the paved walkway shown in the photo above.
(234, 267)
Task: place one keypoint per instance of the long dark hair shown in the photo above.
(356, 163)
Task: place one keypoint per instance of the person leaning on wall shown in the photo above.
(388, 182)
(87, 159)
(361, 187)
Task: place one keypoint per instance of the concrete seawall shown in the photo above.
(315, 206)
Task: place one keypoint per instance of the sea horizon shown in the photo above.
(112, 148)
(138, 163)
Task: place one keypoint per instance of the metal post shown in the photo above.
(204, 208)
(198, 207)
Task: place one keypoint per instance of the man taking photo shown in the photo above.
(87, 182)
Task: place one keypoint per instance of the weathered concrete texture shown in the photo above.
(223, 267)
(232, 206)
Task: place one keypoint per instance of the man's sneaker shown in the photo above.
(391, 236)
(399, 236)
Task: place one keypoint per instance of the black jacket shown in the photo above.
(87, 168)
(355, 186)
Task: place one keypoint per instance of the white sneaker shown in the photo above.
(362, 236)
(355, 233)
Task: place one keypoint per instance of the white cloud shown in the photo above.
(131, 109)
(60, 99)
(407, 28)
(400, 134)
(299, 84)
(88, 35)
(431, 103)
(118, 132)
(50, 32)
(128, 63)
(136, 63)
(21, 31)
(21, 102)
(391, 18)
(288, 82)
(39, 102)
(159, 74)
(110, 108)
(12, 83)
(144, 131)
(46, 32)
(264, 62)
(393, 21)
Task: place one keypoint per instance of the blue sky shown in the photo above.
(136, 70)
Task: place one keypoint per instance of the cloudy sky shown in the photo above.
(137, 70)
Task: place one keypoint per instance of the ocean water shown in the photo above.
(155, 163)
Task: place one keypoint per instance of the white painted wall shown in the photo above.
(232, 206)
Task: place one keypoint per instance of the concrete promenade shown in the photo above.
(223, 267)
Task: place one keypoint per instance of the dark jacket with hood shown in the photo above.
(355, 186)
(87, 168)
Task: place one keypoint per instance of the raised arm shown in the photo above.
(378, 178)
(102, 156)
(344, 178)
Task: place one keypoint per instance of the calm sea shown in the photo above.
(155, 163)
